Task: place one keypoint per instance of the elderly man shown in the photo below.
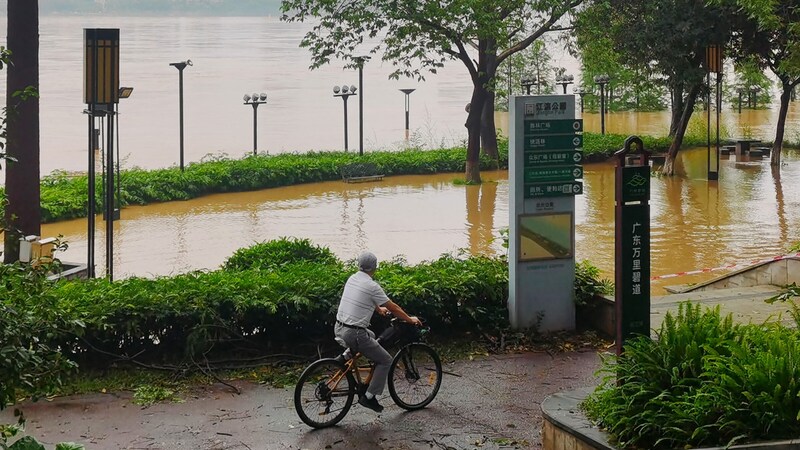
(361, 297)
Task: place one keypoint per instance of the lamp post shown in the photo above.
(602, 81)
(344, 92)
(255, 100)
(527, 83)
(360, 60)
(580, 92)
(740, 91)
(408, 107)
(754, 95)
(180, 66)
(564, 80)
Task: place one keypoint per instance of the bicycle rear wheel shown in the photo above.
(324, 393)
(415, 376)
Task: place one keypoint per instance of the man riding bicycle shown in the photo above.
(361, 297)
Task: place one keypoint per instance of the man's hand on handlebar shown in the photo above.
(414, 320)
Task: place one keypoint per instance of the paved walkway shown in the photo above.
(745, 304)
(489, 403)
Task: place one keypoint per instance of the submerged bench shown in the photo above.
(360, 172)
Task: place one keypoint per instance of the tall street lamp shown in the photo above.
(180, 66)
(602, 81)
(255, 100)
(564, 80)
(344, 92)
(408, 107)
(360, 60)
(580, 91)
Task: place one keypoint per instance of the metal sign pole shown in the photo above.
(632, 244)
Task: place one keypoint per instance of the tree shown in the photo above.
(668, 38)
(420, 36)
(769, 31)
(22, 213)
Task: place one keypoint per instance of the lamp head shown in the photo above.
(345, 88)
(336, 89)
(189, 62)
(352, 89)
(246, 98)
(262, 96)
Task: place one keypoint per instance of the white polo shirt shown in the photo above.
(360, 297)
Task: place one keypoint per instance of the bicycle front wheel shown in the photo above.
(415, 376)
(324, 393)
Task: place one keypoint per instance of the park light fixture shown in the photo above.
(564, 80)
(255, 100)
(602, 81)
(580, 91)
(360, 60)
(180, 66)
(408, 107)
(527, 83)
(344, 91)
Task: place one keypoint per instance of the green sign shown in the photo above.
(553, 126)
(635, 183)
(553, 189)
(560, 173)
(558, 158)
(555, 142)
(633, 286)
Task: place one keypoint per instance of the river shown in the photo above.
(234, 56)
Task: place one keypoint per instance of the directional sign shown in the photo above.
(565, 173)
(553, 189)
(557, 142)
(553, 126)
(559, 158)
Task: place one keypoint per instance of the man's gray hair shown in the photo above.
(367, 262)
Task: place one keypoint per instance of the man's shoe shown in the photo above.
(371, 403)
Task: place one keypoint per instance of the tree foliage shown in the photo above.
(768, 33)
(420, 37)
(665, 40)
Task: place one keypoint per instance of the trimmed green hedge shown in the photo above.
(273, 295)
(64, 197)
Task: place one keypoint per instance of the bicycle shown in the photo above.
(326, 389)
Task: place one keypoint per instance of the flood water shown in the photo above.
(233, 56)
(749, 214)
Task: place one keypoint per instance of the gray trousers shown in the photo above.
(363, 340)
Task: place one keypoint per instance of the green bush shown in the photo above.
(703, 382)
(274, 254)
(29, 321)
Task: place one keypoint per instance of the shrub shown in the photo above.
(703, 382)
(29, 321)
(276, 253)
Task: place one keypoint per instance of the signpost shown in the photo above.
(545, 163)
(632, 244)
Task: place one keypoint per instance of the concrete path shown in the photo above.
(489, 403)
(747, 305)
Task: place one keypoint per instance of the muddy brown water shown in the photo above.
(753, 212)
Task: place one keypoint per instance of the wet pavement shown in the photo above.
(488, 403)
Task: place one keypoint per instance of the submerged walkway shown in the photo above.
(745, 304)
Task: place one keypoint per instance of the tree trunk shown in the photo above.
(786, 94)
(473, 124)
(476, 105)
(488, 127)
(22, 213)
(680, 131)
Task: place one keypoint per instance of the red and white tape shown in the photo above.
(729, 266)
